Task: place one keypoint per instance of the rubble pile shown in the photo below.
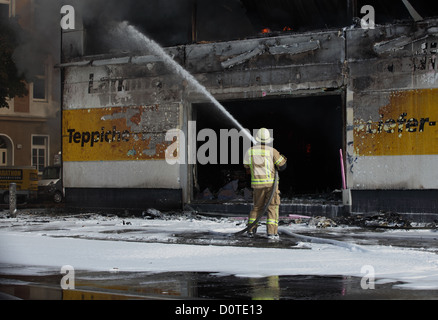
(321, 222)
(384, 220)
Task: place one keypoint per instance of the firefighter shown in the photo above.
(261, 161)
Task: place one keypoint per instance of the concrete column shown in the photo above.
(13, 199)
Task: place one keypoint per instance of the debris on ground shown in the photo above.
(206, 195)
(151, 213)
(384, 220)
(228, 191)
(321, 222)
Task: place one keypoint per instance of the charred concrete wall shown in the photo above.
(116, 110)
(392, 109)
(115, 117)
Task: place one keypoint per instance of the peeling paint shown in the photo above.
(118, 133)
(389, 76)
(406, 126)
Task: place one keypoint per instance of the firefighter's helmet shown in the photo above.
(264, 136)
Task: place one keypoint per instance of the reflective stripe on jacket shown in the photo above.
(261, 160)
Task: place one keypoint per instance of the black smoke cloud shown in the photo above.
(168, 22)
(176, 22)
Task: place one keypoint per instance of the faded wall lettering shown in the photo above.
(118, 133)
(406, 126)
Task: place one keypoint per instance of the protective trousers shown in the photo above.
(261, 197)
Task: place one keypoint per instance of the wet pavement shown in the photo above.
(200, 285)
(20, 282)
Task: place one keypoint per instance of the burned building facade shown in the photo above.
(371, 93)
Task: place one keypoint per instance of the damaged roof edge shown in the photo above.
(110, 61)
(117, 59)
(299, 47)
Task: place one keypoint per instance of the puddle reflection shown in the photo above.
(195, 285)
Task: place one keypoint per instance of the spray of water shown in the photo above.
(157, 50)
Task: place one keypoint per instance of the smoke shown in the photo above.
(168, 22)
(37, 36)
(38, 32)
(176, 22)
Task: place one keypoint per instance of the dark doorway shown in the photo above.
(307, 130)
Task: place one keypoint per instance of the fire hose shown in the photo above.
(262, 213)
(288, 232)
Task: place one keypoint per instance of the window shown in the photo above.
(3, 158)
(5, 152)
(3, 144)
(40, 152)
(4, 10)
(51, 173)
(40, 84)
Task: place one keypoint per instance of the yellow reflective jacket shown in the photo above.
(261, 160)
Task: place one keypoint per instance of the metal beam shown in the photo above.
(296, 48)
